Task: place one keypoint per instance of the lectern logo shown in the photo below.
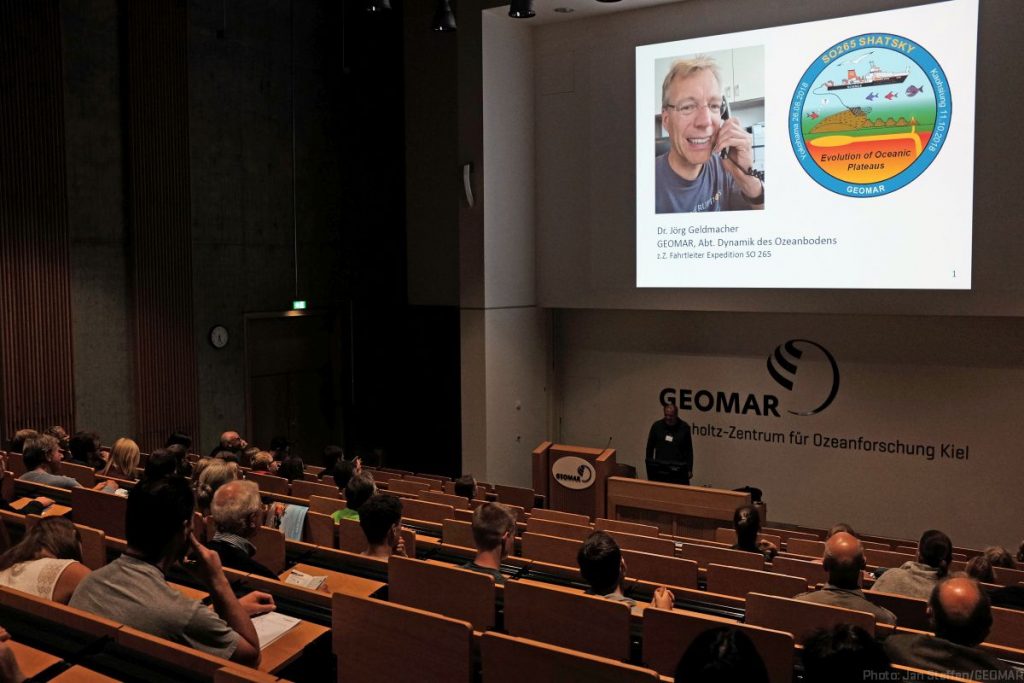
(573, 473)
(819, 390)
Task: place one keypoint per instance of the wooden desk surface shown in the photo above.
(79, 674)
(55, 510)
(338, 582)
(32, 661)
(288, 647)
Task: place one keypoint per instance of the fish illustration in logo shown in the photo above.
(871, 97)
(891, 95)
(913, 90)
(813, 115)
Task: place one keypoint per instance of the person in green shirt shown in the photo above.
(358, 490)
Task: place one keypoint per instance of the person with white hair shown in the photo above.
(237, 513)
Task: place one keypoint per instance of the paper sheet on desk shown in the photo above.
(271, 626)
(310, 581)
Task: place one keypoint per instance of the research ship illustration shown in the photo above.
(875, 76)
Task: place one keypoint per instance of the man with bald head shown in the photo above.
(238, 513)
(844, 560)
(961, 618)
(230, 441)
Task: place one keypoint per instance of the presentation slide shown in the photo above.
(834, 154)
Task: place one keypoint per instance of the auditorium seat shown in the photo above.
(397, 486)
(644, 544)
(305, 489)
(556, 528)
(378, 641)
(886, 558)
(663, 569)
(320, 529)
(550, 549)
(457, 532)
(508, 659)
(559, 516)
(443, 589)
(704, 555)
(728, 536)
(811, 571)
(626, 527)
(432, 484)
(801, 618)
(801, 546)
(738, 581)
(99, 510)
(457, 502)
(516, 495)
(667, 634)
(557, 616)
(423, 511)
(269, 483)
(910, 612)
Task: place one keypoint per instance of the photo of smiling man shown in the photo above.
(709, 163)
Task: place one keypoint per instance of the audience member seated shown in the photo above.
(123, 461)
(844, 560)
(280, 448)
(332, 456)
(213, 476)
(747, 523)
(227, 455)
(179, 439)
(843, 654)
(917, 579)
(344, 470)
(381, 520)
(161, 463)
(840, 527)
(59, 433)
(721, 655)
(358, 490)
(237, 513)
(494, 534)
(998, 556)
(246, 456)
(20, 438)
(42, 461)
(10, 671)
(979, 568)
(230, 441)
(603, 567)
(961, 618)
(263, 463)
(182, 467)
(1020, 552)
(47, 562)
(33, 507)
(84, 449)
(292, 468)
(132, 589)
(465, 486)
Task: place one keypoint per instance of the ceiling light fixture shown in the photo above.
(521, 9)
(444, 18)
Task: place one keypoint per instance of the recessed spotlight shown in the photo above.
(564, 10)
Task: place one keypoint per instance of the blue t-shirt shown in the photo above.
(712, 190)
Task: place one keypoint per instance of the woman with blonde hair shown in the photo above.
(124, 460)
(47, 562)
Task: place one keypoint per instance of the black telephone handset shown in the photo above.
(725, 117)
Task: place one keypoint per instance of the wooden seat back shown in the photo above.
(422, 510)
(269, 483)
(185, 662)
(555, 616)
(1008, 577)
(93, 542)
(738, 581)
(16, 464)
(83, 474)
(376, 640)
(515, 495)
(910, 612)
(551, 549)
(432, 484)
(449, 487)
(405, 486)
(549, 527)
(457, 502)
(99, 510)
(457, 532)
(506, 659)
(662, 569)
(560, 516)
(801, 618)
(320, 529)
(886, 558)
(1007, 628)
(444, 589)
(351, 538)
(644, 544)
(812, 571)
(786, 534)
(305, 489)
(726, 535)
(325, 505)
(668, 633)
(626, 527)
(270, 548)
(29, 489)
(704, 555)
(802, 546)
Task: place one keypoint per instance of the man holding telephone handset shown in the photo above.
(709, 164)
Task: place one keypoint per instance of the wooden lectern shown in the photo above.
(573, 478)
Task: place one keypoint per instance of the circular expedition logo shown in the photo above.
(870, 115)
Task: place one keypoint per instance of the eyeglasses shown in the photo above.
(688, 109)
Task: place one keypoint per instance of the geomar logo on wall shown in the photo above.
(804, 369)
